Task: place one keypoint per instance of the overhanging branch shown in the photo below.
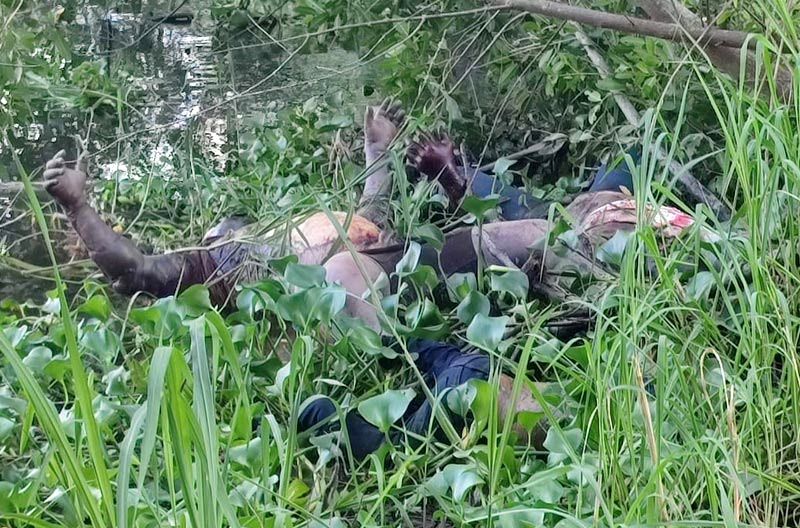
(710, 36)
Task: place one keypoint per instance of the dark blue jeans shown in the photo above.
(443, 366)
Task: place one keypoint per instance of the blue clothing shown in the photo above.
(442, 365)
(619, 176)
(516, 204)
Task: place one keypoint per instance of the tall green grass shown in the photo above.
(681, 406)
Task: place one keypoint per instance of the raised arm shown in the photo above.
(381, 124)
(129, 270)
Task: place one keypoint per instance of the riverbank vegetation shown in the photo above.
(680, 405)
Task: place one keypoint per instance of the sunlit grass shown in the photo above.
(681, 405)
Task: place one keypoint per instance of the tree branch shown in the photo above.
(726, 59)
(660, 28)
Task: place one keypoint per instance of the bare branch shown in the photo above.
(660, 28)
(726, 59)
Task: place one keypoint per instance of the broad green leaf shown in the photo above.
(456, 478)
(385, 409)
(508, 280)
(425, 319)
(487, 332)
(96, 306)
(562, 444)
(479, 207)
(612, 251)
(304, 276)
(195, 300)
(460, 399)
(424, 277)
(115, 381)
(431, 235)
(473, 304)
(699, 286)
(462, 284)
(38, 358)
(409, 261)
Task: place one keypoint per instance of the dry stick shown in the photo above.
(691, 186)
(636, 26)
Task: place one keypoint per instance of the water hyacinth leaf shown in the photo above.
(522, 516)
(57, 367)
(529, 419)
(318, 303)
(409, 261)
(163, 318)
(103, 343)
(385, 409)
(259, 297)
(367, 340)
(460, 399)
(38, 358)
(328, 302)
(6, 428)
(424, 276)
(96, 306)
(481, 405)
(244, 493)
(487, 332)
(547, 351)
(479, 207)
(334, 123)
(115, 381)
(699, 286)
(104, 412)
(562, 444)
(425, 320)
(15, 334)
(246, 454)
(456, 478)
(195, 300)
(304, 276)
(279, 265)
(431, 234)
(473, 304)
(508, 280)
(612, 251)
(462, 284)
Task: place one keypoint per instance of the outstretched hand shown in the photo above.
(381, 124)
(66, 185)
(433, 154)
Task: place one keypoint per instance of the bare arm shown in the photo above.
(381, 124)
(129, 270)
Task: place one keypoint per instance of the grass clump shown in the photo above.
(680, 407)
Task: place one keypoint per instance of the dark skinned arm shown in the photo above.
(128, 269)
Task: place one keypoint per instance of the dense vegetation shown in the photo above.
(681, 405)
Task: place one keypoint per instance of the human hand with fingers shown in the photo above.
(433, 154)
(66, 185)
(381, 125)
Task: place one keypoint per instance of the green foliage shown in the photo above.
(680, 406)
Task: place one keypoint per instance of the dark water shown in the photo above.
(196, 83)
